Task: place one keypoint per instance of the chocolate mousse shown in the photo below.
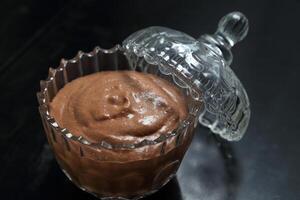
(120, 107)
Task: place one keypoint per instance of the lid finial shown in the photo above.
(233, 27)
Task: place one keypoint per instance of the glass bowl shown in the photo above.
(107, 170)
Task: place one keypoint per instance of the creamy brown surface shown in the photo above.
(119, 106)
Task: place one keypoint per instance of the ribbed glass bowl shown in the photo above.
(107, 170)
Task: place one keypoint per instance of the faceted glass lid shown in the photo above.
(203, 66)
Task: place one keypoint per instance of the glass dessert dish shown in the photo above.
(199, 68)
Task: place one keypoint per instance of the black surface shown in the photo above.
(264, 165)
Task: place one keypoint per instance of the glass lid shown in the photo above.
(203, 66)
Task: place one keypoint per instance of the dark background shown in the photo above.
(264, 165)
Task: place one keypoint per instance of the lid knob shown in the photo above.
(233, 27)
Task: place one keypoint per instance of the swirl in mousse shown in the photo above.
(120, 107)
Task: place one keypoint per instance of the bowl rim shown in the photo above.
(44, 109)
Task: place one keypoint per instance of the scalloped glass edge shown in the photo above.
(60, 73)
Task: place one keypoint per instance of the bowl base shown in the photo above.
(119, 198)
